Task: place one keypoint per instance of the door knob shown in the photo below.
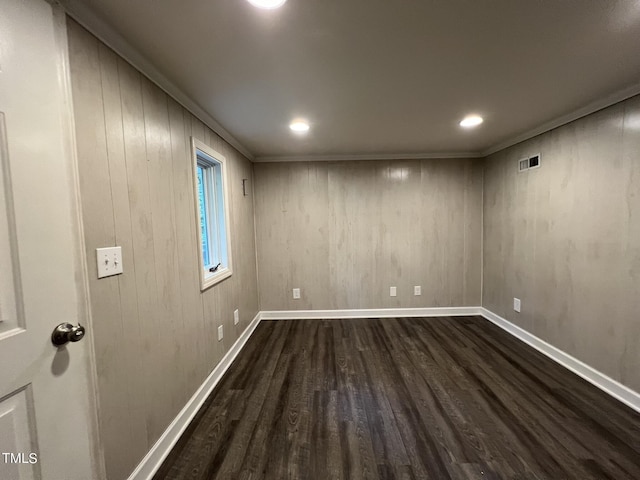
(65, 332)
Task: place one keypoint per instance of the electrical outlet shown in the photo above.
(296, 293)
(220, 333)
(516, 304)
(109, 261)
(236, 317)
(392, 291)
(417, 290)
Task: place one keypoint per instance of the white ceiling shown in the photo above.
(383, 77)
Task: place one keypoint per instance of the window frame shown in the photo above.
(206, 157)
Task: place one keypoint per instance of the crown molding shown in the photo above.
(588, 109)
(365, 156)
(81, 13)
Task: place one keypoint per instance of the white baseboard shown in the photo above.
(369, 313)
(590, 374)
(154, 458)
(593, 376)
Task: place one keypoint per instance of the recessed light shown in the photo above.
(471, 121)
(299, 126)
(267, 4)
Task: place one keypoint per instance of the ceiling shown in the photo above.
(382, 77)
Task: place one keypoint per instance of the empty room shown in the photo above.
(314, 240)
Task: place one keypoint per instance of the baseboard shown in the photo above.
(368, 313)
(154, 458)
(590, 374)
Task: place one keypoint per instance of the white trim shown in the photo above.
(603, 382)
(590, 374)
(82, 281)
(365, 156)
(369, 313)
(82, 13)
(154, 458)
(208, 280)
(161, 449)
(588, 109)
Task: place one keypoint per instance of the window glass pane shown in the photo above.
(204, 230)
(221, 227)
(211, 217)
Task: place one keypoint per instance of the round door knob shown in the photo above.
(65, 333)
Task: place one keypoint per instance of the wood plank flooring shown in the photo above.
(406, 398)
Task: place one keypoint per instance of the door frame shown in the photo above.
(71, 154)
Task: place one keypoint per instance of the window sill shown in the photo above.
(208, 280)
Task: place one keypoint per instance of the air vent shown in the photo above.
(524, 164)
(529, 163)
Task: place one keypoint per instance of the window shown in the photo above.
(212, 214)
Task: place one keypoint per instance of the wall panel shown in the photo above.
(565, 239)
(344, 232)
(155, 332)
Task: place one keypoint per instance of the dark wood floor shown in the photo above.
(408, 398)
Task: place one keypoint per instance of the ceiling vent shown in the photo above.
(529, 163)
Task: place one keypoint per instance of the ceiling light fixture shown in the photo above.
(471, 121)
(299, 126)
(267, 4)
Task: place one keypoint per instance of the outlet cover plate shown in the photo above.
(516, 304)
(236, 317)
(296, 293)
(220, 333)
(417, 290)
(392, 291)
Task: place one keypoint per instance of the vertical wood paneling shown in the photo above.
(565, 239)
(155, 332)
(141, 263)
(126, 352)
(166, 325)
(191, 302)
(472, 287)
(94, 176)
(345, 232)
(201, 342)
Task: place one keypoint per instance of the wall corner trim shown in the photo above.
(607, 384)
(161, 449)
(338, 157)
(369, 313)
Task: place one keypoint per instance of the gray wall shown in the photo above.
(565, 238)
(344, 232)
(155, 332)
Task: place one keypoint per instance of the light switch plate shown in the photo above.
(109, 261)
(516, 304)
(236, 317)
(392, 291)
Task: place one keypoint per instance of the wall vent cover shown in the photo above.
(529, 163)
(523, 164)
(534, 161)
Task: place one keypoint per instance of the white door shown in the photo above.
(46, 411)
